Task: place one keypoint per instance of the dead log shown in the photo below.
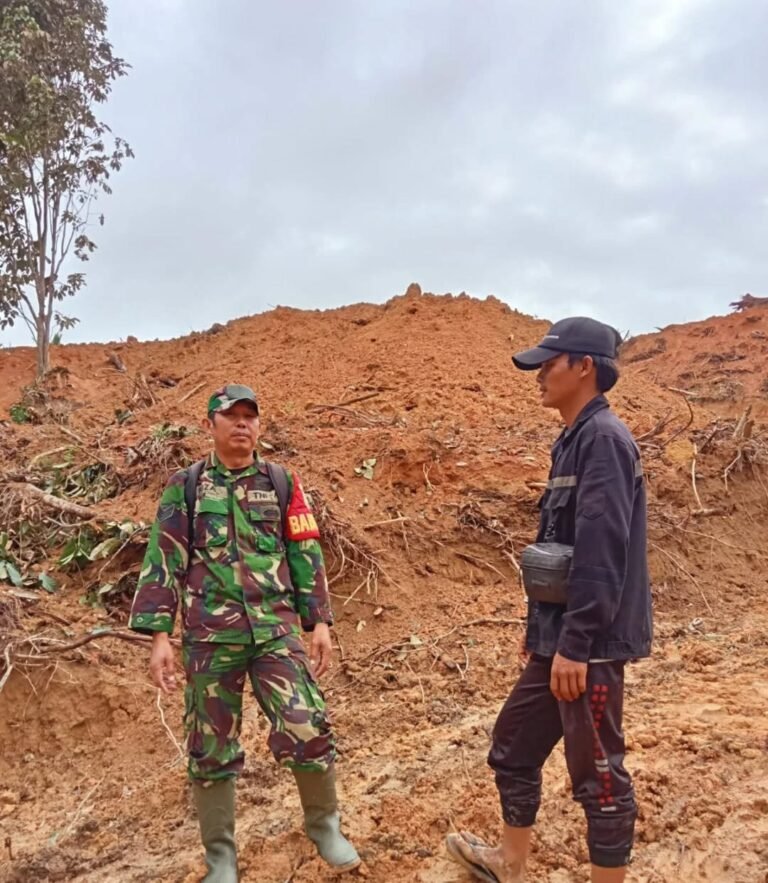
(29, 490)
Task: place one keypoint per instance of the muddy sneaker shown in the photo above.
(482, 861)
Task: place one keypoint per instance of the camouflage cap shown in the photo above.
(229, 395)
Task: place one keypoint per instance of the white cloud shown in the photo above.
(643, 224)
(606, 159)
(650, 25)
(600, 154)
(327, 244)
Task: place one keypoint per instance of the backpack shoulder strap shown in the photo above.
(278, 475)
(190, 497)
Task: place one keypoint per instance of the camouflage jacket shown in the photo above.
(247, 579)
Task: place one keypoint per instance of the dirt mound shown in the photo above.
(720, 361)
(426, 453)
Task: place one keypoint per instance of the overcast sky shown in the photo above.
(604, 158)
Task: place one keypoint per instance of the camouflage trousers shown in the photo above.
(285, 688)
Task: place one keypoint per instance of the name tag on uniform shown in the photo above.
(262, 497)
(213, 492)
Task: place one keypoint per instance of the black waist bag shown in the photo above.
(545, 569)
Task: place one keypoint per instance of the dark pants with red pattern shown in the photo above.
(529, 726)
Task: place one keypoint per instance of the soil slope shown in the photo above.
(425, 590)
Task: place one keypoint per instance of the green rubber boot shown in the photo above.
(215, 802)
(322, 821)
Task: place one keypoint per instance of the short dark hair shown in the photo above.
(607, 369)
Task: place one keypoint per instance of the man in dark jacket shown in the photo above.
(572, 686)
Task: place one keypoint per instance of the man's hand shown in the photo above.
(569, 678)
(162, 664)
(320, 649)
(523, 655)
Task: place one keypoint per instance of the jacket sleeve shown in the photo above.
(305, 560)
(164, 570)
(605, 492)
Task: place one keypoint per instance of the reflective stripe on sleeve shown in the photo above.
(561, 481)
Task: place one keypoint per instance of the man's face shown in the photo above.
(234, 431)
(559, 382)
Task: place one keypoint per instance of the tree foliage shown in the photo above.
(56, 157)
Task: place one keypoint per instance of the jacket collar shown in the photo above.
(213, 463)
(598, 403)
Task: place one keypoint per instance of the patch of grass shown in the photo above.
(20, 414)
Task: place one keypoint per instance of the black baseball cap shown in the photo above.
(575, 335)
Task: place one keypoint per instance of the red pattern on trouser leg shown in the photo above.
(594, 752)
(597, 703)
(529, 726)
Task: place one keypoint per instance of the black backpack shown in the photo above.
(277, 475)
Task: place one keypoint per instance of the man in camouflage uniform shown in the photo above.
(246, 581)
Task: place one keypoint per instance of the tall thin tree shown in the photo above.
(56, 157)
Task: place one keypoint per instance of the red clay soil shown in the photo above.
(426, 596)
(722, 360)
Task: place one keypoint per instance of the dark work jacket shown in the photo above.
(595, 501)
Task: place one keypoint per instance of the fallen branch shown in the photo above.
(478, 562)
(8, 667)
(167, 728)
(451, 664)
(708, 440)
(365, 582)
(375, 604)
(406, 642)
(24, 487)
(44, 454)
(510, 556)
(71, 826)
(722, 542)
(346, 550)
(731, 466)
(686, 395)
(483, 620)
(743, 429)
(56, 647)
(685, 392)
(361, 416)
(471, 515)
(192, 392)
(428, 644)
(86, 446)
(363, 398)
(742, 433)
(398, 520)
(466, 768)
(45, 647)
(418, 679)
(687, 573)
(693, 478)
(73, 435)
(660, 425)
(404, 534)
